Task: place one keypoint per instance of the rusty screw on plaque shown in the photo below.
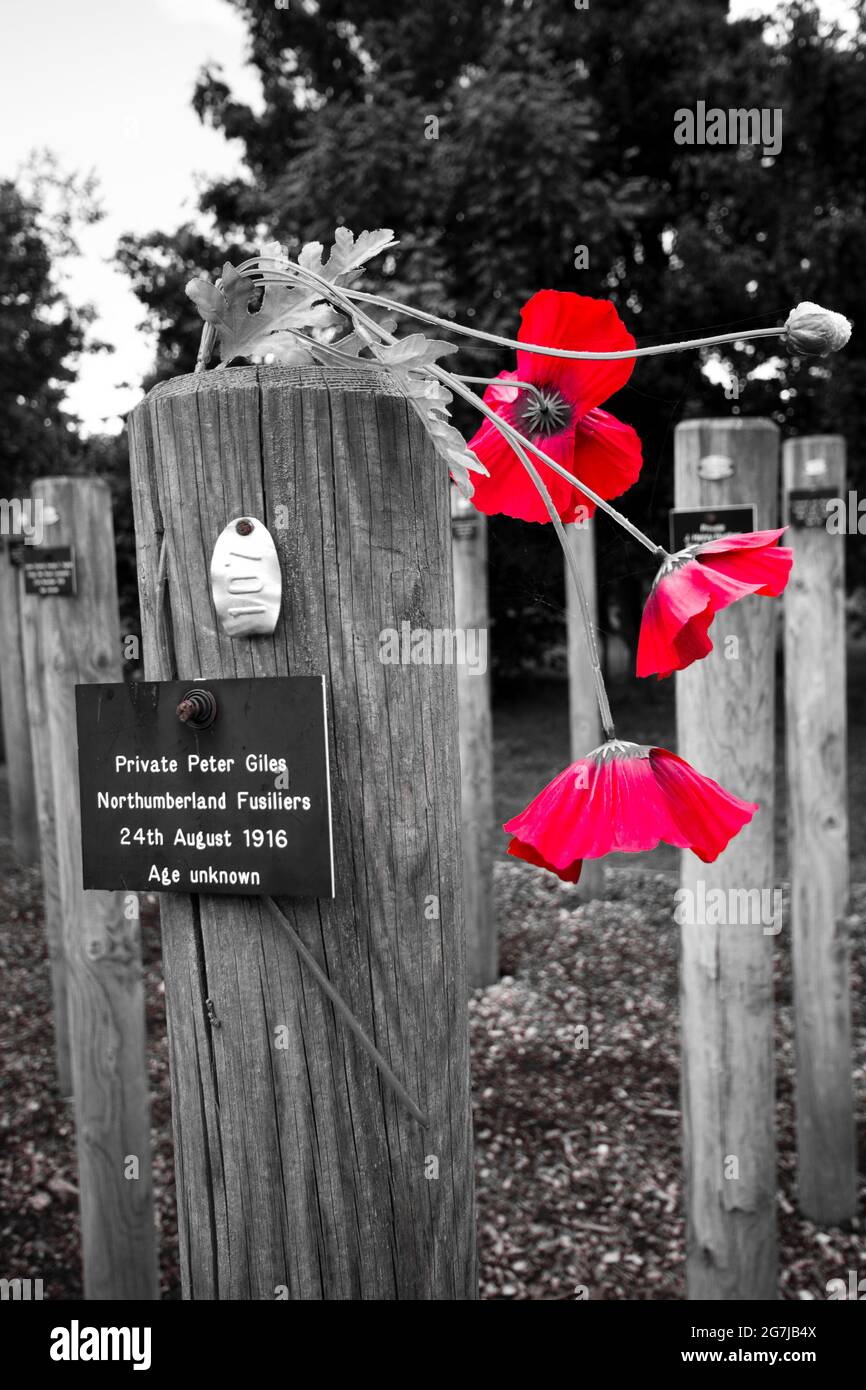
(198, 708)
(244, 527)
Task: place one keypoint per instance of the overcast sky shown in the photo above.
(106, 85)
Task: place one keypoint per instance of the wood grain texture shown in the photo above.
(16, 730)
(40, 743)
(476, 744)
(816, 742)
(725, 725)
(299, 1174)
(584, 719)
(79, 640)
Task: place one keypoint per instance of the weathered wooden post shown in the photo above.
(52, 908)
(79, 642)
(472, 620)
(300, 1174)
(16, 730)
(584, 718)
(725, 725)
(815, 697)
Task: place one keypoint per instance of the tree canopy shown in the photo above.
(499, 138)
(41, 332)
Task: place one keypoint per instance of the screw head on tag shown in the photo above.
(198, 709)
(246, 583)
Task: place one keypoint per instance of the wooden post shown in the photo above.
(815, 698)
(35, 683)
(79, 642)
(16, 731)
(299, 1173)
(584, 718)
(472, 617)
(725, 727)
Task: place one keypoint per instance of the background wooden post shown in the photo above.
(16, 730)
(815, 697)
(471, 614)
(584, 718)
(40, 742)
(299, 1174)
(79, 641)
(725, 726)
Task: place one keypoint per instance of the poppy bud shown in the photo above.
(811, 329)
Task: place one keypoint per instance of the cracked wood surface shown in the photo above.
(52, 906)
(584, 718)
(79, 644)
(299, 1173)
(472, 615)
(24, 820)
(725, 729)
(816, 717)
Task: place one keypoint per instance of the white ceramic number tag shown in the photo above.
(714, 467)
(245, 579)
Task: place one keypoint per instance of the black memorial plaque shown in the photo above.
(697, 526)
(808, 507)
(50, 571)
(242, 807)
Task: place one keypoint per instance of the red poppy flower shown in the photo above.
(625, 797)
(697, 583)
(561, 416)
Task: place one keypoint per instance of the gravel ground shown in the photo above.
(578, 1168)
(578, 1148)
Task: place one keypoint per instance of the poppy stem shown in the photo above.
(574, 571)
(494, 380)
(624, 354)
(206, 345)
(295, 272)
(343, 298)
